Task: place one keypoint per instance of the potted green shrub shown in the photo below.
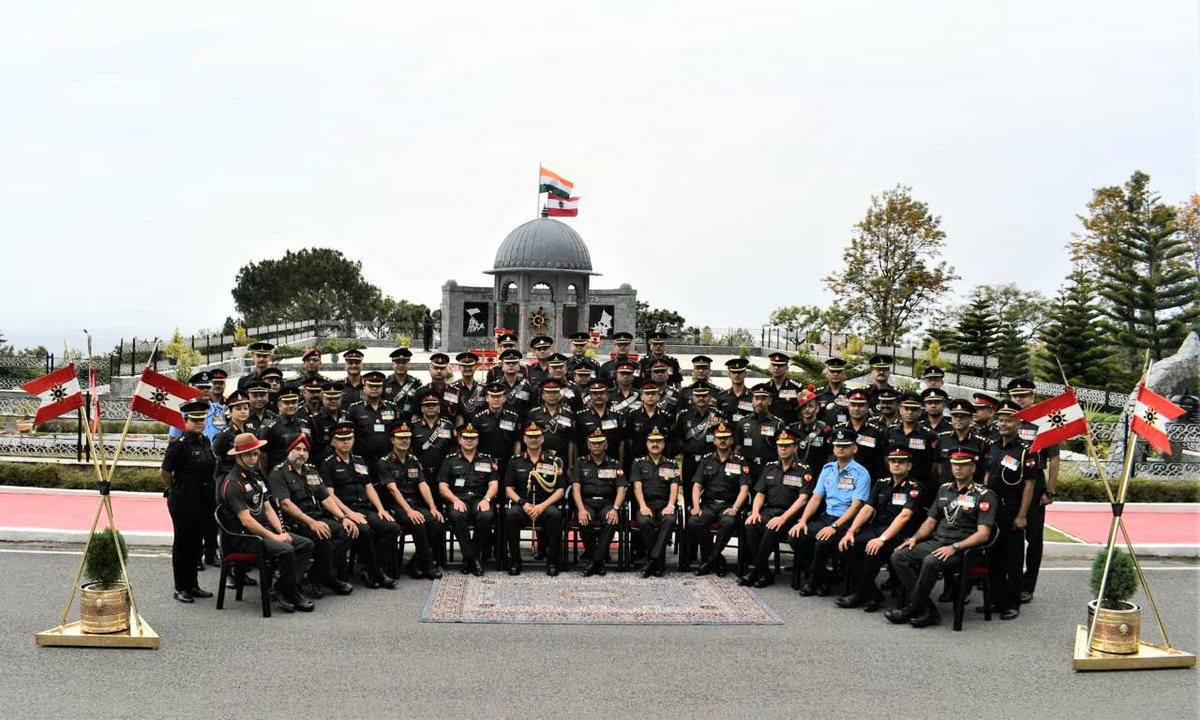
(104, 599)
(1118, 621)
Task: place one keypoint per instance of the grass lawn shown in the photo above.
(1052, 535)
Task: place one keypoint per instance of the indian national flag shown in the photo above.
(551, 182)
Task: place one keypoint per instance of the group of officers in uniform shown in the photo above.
(852, 479)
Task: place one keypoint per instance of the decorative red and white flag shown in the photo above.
(159, 397)
(1059, 418)
(58, 394)
(562, 207)
(1151, 412)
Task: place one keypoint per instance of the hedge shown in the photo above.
(51, 475)
(1081, 489)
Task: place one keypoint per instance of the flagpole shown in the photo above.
(112, 467)
(99, 428)
(537, 205)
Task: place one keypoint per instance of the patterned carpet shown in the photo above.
(615, 599)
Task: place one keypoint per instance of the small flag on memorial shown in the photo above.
(58, 394)
(1059, 418)
(159, 397)
(549, 182)
(559, 207)
(1150, 415)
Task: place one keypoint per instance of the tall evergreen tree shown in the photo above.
(1013, 351)
(978, 329)
(1075, 336)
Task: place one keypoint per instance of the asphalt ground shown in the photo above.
(368, 655)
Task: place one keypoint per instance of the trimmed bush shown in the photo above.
(1081, 489)
(1122, 578)
(101, 564)
(77, 477)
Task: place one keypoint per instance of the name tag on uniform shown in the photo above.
(312, 479)
(817, 441)
(787, 394)
(564, 421)
(507, 425)
(916, 443)
(608, 424)
(733, 468)
(748, 441)
(845, 482)
(865, 441)
(1027, 434)
(545, 469)
(521, 395)
(746, 405)
(442, 432)
(1010, 462)
(606, 473)
(569, 393)
(379, 427)
(387, 415)
(710, 437)
(793, 481)
(413, 473)
(360, 468)
(450, 398)
(460, 482)
(768, 431)
(668, 473)
(483, 467)
(217, 420)
(899, 498)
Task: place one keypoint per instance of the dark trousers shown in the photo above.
(762, 542)
(698, 529)
(324, 549)
(1007, 556)
(549, 529)
(460, 523)
(596, 540)
(209, 523)
(291, 560)
(423, 534)
(918, 569)
(655, 540)
(376, 542)
(186, 504)
(817, 552)
(1034, 532)
(864, 568)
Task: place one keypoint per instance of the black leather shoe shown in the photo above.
(1026, 597)
(339, 587)
(212, 560)
(592, 568)
(200, 566)
(183, 596)
(765, 580)
(368, 581)
(660, 567)
(748, 579)
(248, 581)
(808, 590)
(1011, 613)
(946, 597)
(900, 616)
(931, 616)
(849, 601)
(514, 568)
(465, 568)
(476, 568)
(198, 593)
(722, 567)
(995, 609)
(433, 572)
(706, 568)
(872, 605)
(552, 570)
(301, 603)
(313, 590)
(822, 590)
(285, 604)
(413, 571)
(648, 571)
(386, 582)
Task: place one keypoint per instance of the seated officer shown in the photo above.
(780, 495)
(885, 521)
(655, 480)
(962, 516)
(842, 486)
(535, 484)
(309, 511)
(469, 482)
(721, 488)
(598, 489)
(349, 482)
(244, 508)
(410, 501)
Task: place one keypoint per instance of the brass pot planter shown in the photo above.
(104, 608)
(1117, 631)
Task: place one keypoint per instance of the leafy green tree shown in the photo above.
(395, 317)
(978, 330)
(1074, 336)
(318, 283)
(891, 269)
(649, 319)
(799, 322)
(1145, 265)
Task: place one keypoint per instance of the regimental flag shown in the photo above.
(58, 394)
(558, 207)
(549, 182)
(159, 397)
(1059, 418)
(1151, 412)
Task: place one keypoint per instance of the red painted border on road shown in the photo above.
(62, 511)
(1144, 526)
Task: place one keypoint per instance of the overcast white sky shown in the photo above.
(722, 150)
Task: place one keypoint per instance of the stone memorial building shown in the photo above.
(542, 284)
